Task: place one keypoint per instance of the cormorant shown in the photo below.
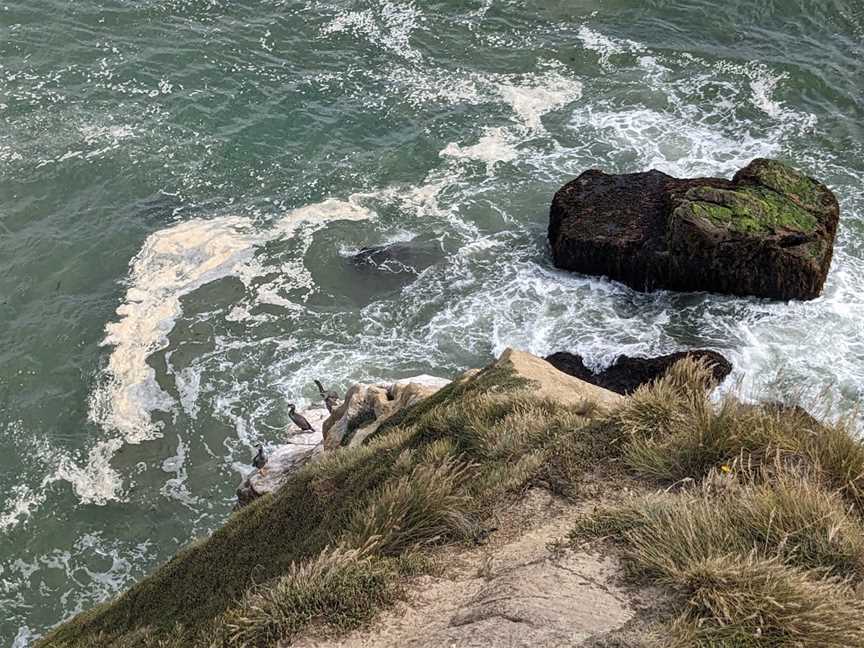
(260, 459)
(331, 398)
(299, 421)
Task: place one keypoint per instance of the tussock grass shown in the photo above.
(428, 476)
(791, 518)
(343, 587)
(425, 505)
(760, 531)
(742, 600)
(672, 431)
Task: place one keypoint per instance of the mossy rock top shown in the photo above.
(798, 188)
(767, 197)
(749, 210)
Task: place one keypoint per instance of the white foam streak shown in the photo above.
(20, 503)
(530, 97)
(173, 263)
(495, 146)
(94, 481)
(538, 96)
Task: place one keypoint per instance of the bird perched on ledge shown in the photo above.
(331, 398)
(260, 459)
(299, 420)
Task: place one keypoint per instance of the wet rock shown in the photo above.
(768, 232)
(626, 374)
(284, 458)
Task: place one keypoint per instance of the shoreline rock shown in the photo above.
(769, 232)
(627, 374)
(364, 409)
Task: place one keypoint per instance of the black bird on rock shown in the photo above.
(299, 420)
(331, 398)
(260, 459)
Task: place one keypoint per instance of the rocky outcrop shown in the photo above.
(283, 459)
(626, 374)
(553, 384)
(366, 407)
(768, 232)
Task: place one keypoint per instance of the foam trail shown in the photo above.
(95, 482)
(530, 97)
(493, 147)
(21, 502)
(171, 264)
(539, 95)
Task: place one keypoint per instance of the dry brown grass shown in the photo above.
(760, 529)
(742, 600)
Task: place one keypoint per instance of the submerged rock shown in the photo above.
(768, 232)
(401, 258)
(627, 374)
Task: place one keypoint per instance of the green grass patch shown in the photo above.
(427, 477)
(760, 531)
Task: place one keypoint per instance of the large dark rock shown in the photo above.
(768, 232)
(626, 374)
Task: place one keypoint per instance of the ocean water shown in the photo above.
(183, 183)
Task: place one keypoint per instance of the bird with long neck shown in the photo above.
(260, 459)
(298, 419)
(331, 398)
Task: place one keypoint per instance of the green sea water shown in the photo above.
(183, 184)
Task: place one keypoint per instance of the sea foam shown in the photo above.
(172, 263)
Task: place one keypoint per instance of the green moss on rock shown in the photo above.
(797, 187)
(750, 210)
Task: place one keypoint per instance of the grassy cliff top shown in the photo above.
(749, 515)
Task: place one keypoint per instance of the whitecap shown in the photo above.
(606, 46)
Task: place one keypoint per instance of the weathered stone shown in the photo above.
(768, 232)
(366, 407)
(556, 385)
(283, 459)
(627, 374)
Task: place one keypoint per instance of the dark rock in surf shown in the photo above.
(411, 257)
(768, 232)
(626, 374)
